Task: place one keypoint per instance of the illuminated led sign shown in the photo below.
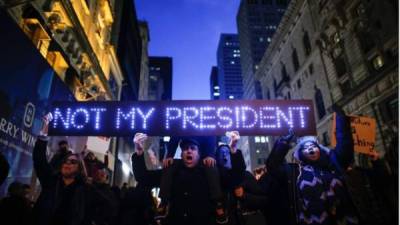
(182, 118)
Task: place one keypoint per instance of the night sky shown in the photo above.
(188, 31)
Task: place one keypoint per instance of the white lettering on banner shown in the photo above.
(245, 117)
(178, 118)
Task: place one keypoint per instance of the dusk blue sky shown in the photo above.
(188, 31)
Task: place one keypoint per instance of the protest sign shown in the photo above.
(363, 131)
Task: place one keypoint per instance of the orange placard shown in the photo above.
(364, 133)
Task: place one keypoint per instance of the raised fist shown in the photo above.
(290, 137)
(234, 137)
(139, 140)
(45, 124)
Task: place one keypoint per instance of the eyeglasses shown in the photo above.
(71, 161)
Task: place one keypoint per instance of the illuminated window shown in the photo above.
(232, 62)
(263, 140)
(257, 139)
(216, 87)
(258, 151)
(336, 38)
(216, 94)
(269, 40)
(231, 97)
(378, 62)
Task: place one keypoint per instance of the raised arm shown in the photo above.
(344, 150)
(150, 178)
(277, 156)
(42, 167)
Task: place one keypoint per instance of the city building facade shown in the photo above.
(159, 88)
(257, 21)
(94, 47)
(326, 52)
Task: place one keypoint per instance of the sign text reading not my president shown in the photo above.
(183, 118)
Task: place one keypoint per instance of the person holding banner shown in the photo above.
(65, 197)
(311, 191)
(189, 190)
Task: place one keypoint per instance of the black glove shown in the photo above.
(290, 137)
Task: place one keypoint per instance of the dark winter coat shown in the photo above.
(372, 191)
(58, 204)
(281, 198)
(137, 207)
(190, 203)
(15, 210)
(4, 168)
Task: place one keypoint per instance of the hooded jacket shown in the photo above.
(281, 200)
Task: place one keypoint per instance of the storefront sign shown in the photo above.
(182, 118)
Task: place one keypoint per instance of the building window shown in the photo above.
(378, 62)
(366, 41)
(336, 38)
(295, 59)
(267, 94)
(289, 96)
(340, 66)
(258, 90)
(311, 69)
(257, 139)
(283, 72)
(299, 83)
(319, 101)
(345, 87)
(252, 1)
(306, 44)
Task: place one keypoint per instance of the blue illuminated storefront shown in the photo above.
(27, 87)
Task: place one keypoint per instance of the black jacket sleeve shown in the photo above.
(237, 161)
(344, 150)
(4, 168)
(148, 178)
(42, 167)
(276, 158)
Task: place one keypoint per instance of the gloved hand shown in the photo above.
(234, 137)
(139, 140)
(290, 137)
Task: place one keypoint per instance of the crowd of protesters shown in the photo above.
(209, 185)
